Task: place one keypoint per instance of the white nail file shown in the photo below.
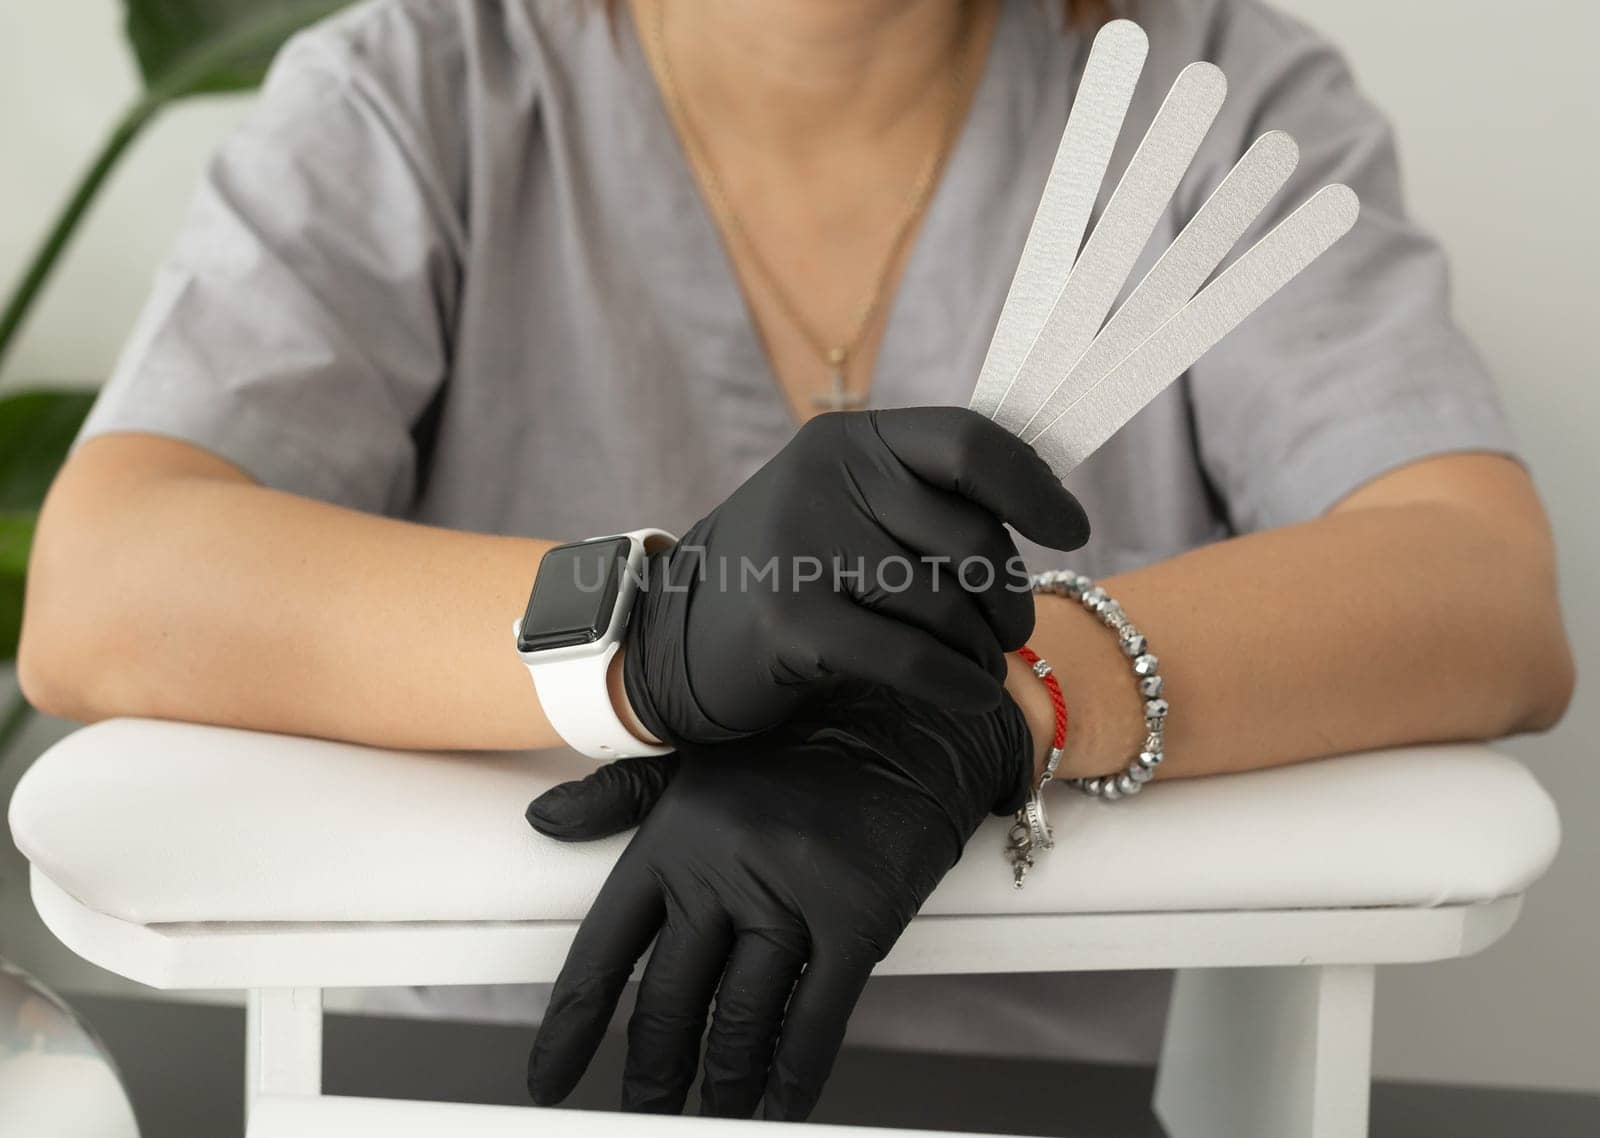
(1214, 230)
(1073, 185)
(1220, 307)
(1119, 237)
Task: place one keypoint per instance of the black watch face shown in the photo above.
(574, 594)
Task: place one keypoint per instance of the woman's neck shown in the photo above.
(797, 73)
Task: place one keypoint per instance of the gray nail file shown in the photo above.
(1221, 306)
(1215, 228)
(1119, 236)
(1095, 121)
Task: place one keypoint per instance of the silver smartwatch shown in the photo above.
(574, 624)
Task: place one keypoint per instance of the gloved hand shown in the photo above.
(746, 616)
(809, 848)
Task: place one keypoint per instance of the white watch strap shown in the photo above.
(577, 700)
(575, 693)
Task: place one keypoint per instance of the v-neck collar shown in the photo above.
(925, 352)
(956, 278)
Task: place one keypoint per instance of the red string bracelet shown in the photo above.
(1031, 831)
(1053, 686)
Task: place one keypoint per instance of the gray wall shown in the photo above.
(1498, 122)
(1499, 127)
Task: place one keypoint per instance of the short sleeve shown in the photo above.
(300, 328)
(1356, 367)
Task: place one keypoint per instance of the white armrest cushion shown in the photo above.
(155, 822)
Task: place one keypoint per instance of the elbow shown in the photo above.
(1551, 682)
(1549, 673)
(1520, 669)
(61, 664)
(54, 672)
(45, 683)
(97, 612)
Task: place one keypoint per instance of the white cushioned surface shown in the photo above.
(163, 822)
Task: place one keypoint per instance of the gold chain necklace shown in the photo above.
(834, 356)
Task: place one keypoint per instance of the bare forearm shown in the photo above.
(205, 597)
(1416, 621)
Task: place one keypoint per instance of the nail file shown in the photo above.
(1080, 428)
(1070, 191)
(1214, 230)
(1120, 235)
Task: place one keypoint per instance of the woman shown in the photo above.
(481, 276)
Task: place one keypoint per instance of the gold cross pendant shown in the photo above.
(838, 397)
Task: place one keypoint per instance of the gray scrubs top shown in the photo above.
(455, 268)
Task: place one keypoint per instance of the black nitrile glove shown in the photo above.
(815, 570)
(808, 848)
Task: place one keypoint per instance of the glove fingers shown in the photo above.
(755, 988)
(924, 597)
(669, 1015)
(813, 1029)
(981, 562)
(845, 640)
(961, 451)
(615, 933)
(613, 798)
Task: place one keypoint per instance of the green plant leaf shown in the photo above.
(16, 537)
(183, 47)
(36, 428)
(168, 35)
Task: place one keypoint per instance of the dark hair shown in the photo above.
(1087, 13)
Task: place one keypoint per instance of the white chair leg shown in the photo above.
(1268, 1053)
(283, 1043)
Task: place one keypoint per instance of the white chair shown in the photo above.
(201, 857)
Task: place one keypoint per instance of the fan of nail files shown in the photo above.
(1059, 374)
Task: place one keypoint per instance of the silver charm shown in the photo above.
(1019, 851)
(1030, 831)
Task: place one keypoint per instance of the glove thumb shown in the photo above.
(614, 798)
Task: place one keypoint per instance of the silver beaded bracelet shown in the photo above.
(1142, 767)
